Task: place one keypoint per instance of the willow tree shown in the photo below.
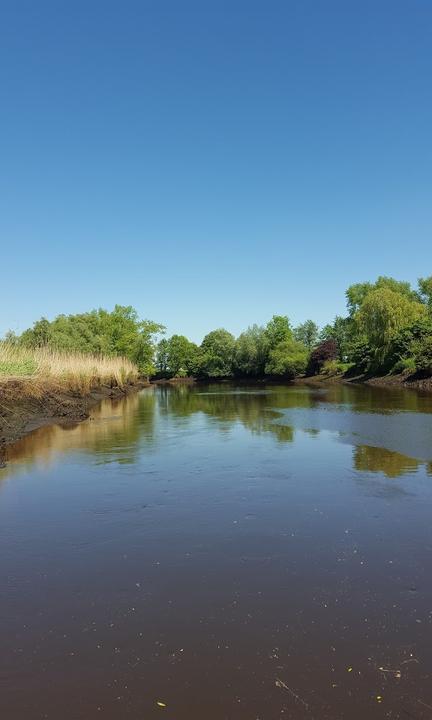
(383, 314)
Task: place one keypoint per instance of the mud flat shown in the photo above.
(24, 409)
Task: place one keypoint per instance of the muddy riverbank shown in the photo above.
(402, 380)
(22, 412)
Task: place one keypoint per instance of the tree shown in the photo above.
(161, 361)
(425, 290)
(217, 354)
(357, 293)
(177, 356)
(326, 350)
(287, 359)
(119, 332)
(383, 314)
(307, 333)
(342, 332)
(278, 329)
(143, 350)
(39, 335)
(251, 351)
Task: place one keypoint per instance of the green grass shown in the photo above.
(17, 368)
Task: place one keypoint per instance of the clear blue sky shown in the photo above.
(211, 162)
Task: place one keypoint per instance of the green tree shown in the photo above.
(357, 293)
(177, 356)
(383, 314)
(119, 332)
(251, 352)
(217, 354)
(39, 335)
(425, 290)
(288, 359)
(307, 333)
(278, 329)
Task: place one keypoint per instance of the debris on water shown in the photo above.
(160, 704)
(280, 684)
(410, 660)
(395, 673)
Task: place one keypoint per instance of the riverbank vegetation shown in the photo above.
(387, 329)
(31, 369)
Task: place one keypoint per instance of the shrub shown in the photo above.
(422, 353)
(403, 365)
(335, 367)
(325, 351)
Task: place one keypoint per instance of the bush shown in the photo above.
(335, 367)
(404, 365)
(422, 353)
(325, 351)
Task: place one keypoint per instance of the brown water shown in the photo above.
(252, 553)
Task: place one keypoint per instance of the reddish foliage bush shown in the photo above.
(326, 350)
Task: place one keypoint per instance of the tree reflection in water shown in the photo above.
(119, 430)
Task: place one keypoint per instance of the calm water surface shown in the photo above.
(253, 553)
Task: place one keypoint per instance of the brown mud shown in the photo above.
(402, 380)
(21, 413)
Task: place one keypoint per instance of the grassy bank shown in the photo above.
(42, 386)
(73, 372)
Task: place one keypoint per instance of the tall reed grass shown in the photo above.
(75, 372)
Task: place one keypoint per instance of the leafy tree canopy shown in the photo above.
(217, 353)
(307, 333)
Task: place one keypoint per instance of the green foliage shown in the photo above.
(422, 353)
(119, 332)
(307, 333)
(388, 327)
(18, 367)
(335, 367)
(361, 355)
(357, 294)
(278, 329)
(425, 290)
(217, 354)
(288, 359)
(404, 365)
(177, 357)
(383, 314)
(251, 352)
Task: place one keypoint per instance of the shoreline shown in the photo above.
(20, 416)
(403, 380)
(55, 406)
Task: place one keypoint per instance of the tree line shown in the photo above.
(387, 328)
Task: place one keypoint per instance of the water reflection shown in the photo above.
(375, 421)
(200, 546)
(376, 459)
(112, 433)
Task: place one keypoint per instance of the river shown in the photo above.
(221, 552)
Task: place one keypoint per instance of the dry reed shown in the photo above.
(74, 372)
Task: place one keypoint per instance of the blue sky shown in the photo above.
(211, 163)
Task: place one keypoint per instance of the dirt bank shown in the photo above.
(415, 382)
(20, 413)
(404, 380)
